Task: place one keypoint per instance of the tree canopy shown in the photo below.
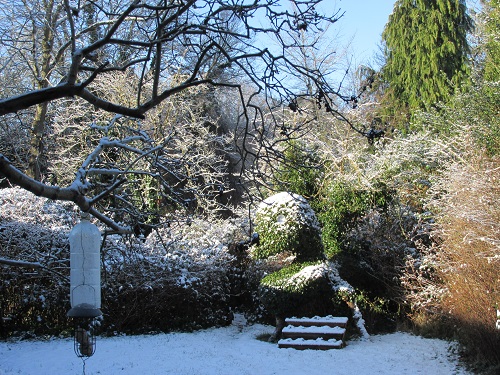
(67, 57)
(426, 51)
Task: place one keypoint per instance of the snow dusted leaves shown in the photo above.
(289, 207)
(299, 276)
(296, 277)
(285, 222)
(36, 228)
(21, 206)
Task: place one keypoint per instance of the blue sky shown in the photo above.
(364, 21)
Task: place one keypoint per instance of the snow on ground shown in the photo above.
(232, 350)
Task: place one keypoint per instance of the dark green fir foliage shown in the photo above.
(425, 50)
(491, 25)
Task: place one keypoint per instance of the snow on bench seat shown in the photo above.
(313, 332)
(318, 321)
(302, 344)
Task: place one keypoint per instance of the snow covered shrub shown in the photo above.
(407, 166)
(285, 222)
(300, 289)
(176, 278)
(424, 290)
(34, 293)
(376, 251)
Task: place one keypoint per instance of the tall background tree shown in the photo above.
(491, 32)
(426, 52)
(30, 42)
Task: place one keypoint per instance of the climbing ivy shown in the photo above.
(340, 208)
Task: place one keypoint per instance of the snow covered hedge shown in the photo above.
(34, 297)
(181, 277)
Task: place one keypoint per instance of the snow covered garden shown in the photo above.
(230, 185)
(184, 285)
(231, 350)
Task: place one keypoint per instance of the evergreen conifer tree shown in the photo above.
(425, 50)
(491, 29)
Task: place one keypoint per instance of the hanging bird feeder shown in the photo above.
(85, 284)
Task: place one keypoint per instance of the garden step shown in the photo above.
(331, 321)
(318, 344)
(314, 333)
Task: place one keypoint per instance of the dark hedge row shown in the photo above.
(35, 302)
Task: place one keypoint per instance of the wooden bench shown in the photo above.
(314, 333)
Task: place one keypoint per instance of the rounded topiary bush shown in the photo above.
(286, 222)
(300, 289)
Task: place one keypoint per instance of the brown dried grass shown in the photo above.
(470, 255)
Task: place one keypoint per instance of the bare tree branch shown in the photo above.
(20, 263)
(175, 57)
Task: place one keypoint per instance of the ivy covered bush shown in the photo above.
(300, 289)
(287, 225)
(341, 208)
(285, 222)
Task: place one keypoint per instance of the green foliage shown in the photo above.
(280, 279)
(302, 171)
(286, 223)
(479, 107)
(380, 313)
(471, 113)
(148, 197)
(425, 49)
(289, 290)
(491, 13)
(341, 207)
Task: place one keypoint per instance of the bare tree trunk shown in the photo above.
(36, 163)
(42, 66)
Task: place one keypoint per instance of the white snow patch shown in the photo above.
(290, 208)
(314, 329)
(228, 351)
(313, 272)
(319, 320)
(316, 342)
